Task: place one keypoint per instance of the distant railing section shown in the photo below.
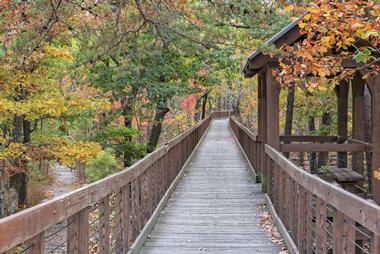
(221, 114)
(249, 143)
(105, 216)
(320, 217)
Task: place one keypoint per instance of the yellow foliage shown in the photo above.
(70, 152)
(59, 53)
(289, 8)
(14, 151)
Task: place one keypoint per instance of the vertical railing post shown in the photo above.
(301, 216)
(36, 244)
(342, 114)
(122, 211)
(320, 226)
(358, 122)
(126, 214)
(77, 233)
(273, 122)
(375, 244)
(349, 233)
(104, 225)
(136, 209)
(338, 232)
(262, 128)
(309, 223)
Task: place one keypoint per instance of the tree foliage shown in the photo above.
(87, 81)
(334, 31)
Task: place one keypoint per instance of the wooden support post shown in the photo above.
(309, 223)
(104, 225)
(259, 125)
(263, 129)
(301, 216)
(123, 211)
(136, 208)
(342, 109)
(36, 244)
(118, 228)
(77, 233)
(375, 92)
(272, 110)
(320, 227)
(358, 121)
(126, 225)
(349, 235)
(338, 232)
(375, 244)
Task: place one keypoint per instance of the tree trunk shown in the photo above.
(127, 113)
(342, 91)
(323, 156)
(128, 116)
(204, 104)
(156, 128)
(17, 129)
(197, 115)
(313, 155)
(26, 131)
(289, 114)
(3, 190)
(18, 180)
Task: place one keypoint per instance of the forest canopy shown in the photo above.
(99, 84)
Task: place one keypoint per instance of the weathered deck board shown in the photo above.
(214, 209)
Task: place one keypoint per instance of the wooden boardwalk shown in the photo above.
(215, 208)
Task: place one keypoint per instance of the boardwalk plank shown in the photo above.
(215, 208)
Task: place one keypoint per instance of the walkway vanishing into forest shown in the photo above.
(216, 206)
(196, 194)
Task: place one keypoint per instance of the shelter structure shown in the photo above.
(349, 167)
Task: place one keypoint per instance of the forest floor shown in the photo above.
(64, 180)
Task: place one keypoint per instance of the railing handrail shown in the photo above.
(308, 138)
(245, 129)
(354, 147)
(20, 227)
(360, 210)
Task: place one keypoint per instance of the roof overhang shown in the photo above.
(257, 60)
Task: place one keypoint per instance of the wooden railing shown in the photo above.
(221, 114)
(317, 216)
(249, 143)
(106, 216)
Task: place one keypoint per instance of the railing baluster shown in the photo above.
(77, 233)
(293, 209)
(104, 225)
(338, 232)
(309, 224)
(286, 201)
(301, 214)
(375, 244)
(36, 244)
(125, 216)
(144, 197)
(118, 230)
(349, 235)
(320, 227)
(136, 209)
(150, 188)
